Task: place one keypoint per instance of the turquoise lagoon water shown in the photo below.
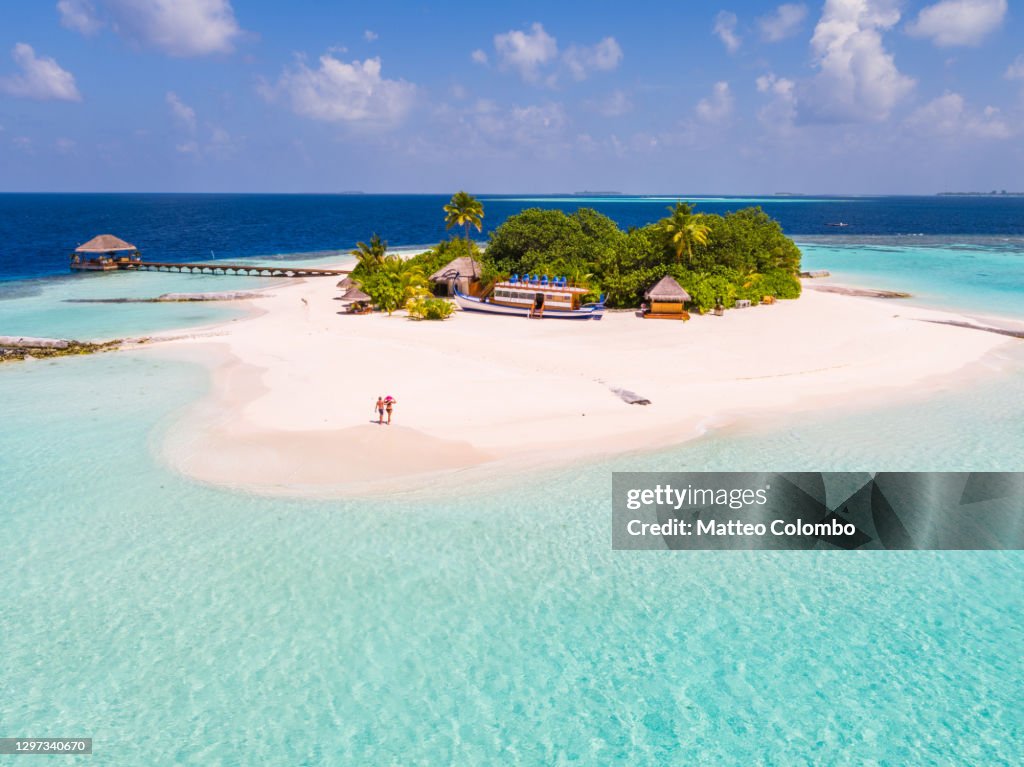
(977, 274)
(177, 623)
(180, 624)
(59, 307)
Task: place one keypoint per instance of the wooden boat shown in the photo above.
(523, 298)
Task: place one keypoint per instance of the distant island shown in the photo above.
(597, 193)
(993, 193)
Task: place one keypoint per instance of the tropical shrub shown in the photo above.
(385, 290)
(781, 284)
(430, 308)
(390, 281)
(708, 290)
(550, 242)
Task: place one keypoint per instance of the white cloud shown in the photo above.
(487, 127)
(479, 56)
(526, 52)
(176, 27)
(532, 123)
(725, 28)
(958, 22)
(948, 116)
(615, 104)
(181, 111)
(369, 35)
(221, 143)
(1016, 70)
(346, 93)
(602, 57)
(718, 107)
(79, 15)
(41, 78)
(783, 23)
(857, 78)
(65, 145)
(780, 112)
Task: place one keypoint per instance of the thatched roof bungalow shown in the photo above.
(463, 273)
(667, 298)
(105, 243)
(667, 290)
(102, 253)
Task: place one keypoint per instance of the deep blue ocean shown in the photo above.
(39, 231)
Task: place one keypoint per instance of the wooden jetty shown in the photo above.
(249, 270)
(108, 253)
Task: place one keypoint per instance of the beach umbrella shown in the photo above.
(354, 295)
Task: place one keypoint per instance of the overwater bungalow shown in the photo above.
(458, 275)
(104, 253)
(667, 298)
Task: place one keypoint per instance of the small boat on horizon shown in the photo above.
(837, 223)
(533, 297)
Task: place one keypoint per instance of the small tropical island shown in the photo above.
(293, 385)
(743, 256)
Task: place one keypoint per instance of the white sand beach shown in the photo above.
(294, 385)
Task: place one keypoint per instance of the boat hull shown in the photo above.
(470, 304)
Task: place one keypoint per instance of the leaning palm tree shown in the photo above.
(684, 230)
(371, 256)
(464, 210)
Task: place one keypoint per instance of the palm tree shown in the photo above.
(414, 285)
(371, 256)
(684, 229)
(464, 210)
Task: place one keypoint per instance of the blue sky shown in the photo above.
(842, 96)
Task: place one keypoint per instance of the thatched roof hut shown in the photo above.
(347, 283)
(668, 291)
(354, 295)
(105, 243)
(464, 266)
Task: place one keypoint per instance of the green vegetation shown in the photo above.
(742, 255)
(388, 280)
(430, 308)
(464, 210)
(443, 254)
(683, 230)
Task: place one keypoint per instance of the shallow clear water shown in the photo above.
(975, 274)
(50, 307)
(177, 623)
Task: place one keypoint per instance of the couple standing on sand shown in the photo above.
(384, 403)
